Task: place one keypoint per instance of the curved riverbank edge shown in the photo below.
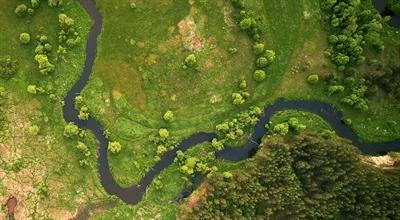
(134, 194)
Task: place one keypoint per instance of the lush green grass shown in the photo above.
(138, 83)
(47, 157)
(310, 120)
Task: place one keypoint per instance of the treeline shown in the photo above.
(302, 177)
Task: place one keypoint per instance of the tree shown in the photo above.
(270, 55)
(35, 3)
(114, 147)
(83, 113)
(65, 21)
(32, 89)
(261, 62)
(168, 116)
(21, 10)
(237, 99)
(281, 129)
(259, 75)
(217, 145)
(45, 66)
(163, 133)
(71, 130)
(313, 79)
(258, 48)
(24, 38)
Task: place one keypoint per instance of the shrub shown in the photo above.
(21, 10)
(313, 79)
(246, 23)
(163, 133)
(168, 116)
(71, 130)
(83, 113)
(161, 149)
(191, 60)
(32, 89)
(281, 129)
(114, 147)
(55, 3)
(335, 89)
(33, 130)
(8, 67)
(259, 75)
(25, 38)
(243, 84)
(227, 175)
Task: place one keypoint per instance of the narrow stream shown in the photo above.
(132, 195)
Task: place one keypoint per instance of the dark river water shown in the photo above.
(133, 194)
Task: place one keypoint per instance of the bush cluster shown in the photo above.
(67, 37)
(42, 51)
(8, 67)
(189, 165)
(234, 129)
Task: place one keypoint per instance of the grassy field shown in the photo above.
(139, 75)
(310, 120)
(42, 171)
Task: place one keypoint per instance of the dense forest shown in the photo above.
(302, 177)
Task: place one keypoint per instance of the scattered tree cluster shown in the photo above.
(357, 95)
(352, 28)
(85, 152)
(251, 23)
(67, 37)
(242, 95)
(293, 124)
(163, 142)
(234, 129)
(189, 165)
(42, 51)
(8, 67)
(302, 177)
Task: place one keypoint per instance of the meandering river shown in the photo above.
(132, 195)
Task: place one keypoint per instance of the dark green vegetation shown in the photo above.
(394, 5)
(302, 177)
